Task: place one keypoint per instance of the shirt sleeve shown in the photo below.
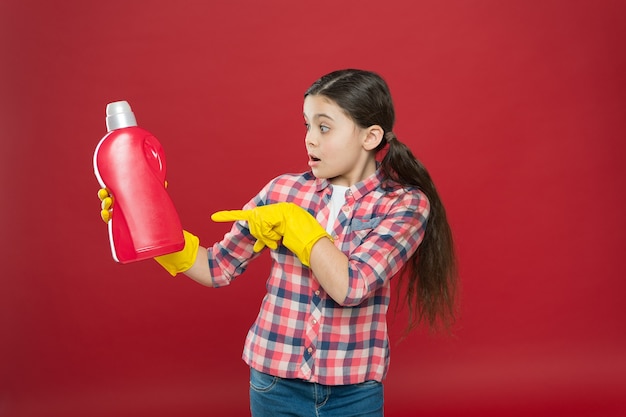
(229, 257)
(388, 241)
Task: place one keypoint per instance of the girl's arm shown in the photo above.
(330, 267)
(383, 252)
(200, 271)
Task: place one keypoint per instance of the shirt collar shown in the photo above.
(359, 189)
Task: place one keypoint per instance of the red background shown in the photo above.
(517, 107)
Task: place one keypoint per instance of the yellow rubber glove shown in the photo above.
(298, 229)
(182, 260)
(106, 204)
(172, 262)
(261, 225)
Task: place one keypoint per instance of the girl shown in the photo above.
(337, 234)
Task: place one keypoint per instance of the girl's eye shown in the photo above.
(306, 126)
(324, 129)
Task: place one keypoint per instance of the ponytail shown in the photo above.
(430, 275)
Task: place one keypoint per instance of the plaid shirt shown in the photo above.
(300, 331)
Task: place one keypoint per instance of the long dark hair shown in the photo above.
(430, 275)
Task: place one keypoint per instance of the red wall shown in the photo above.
(516, 107)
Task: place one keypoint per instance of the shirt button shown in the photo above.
(314, 321)
(309, 350)
(345, 209)
(317, 292)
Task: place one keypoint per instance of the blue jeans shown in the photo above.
(272, 396)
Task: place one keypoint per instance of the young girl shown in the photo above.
(338, 234)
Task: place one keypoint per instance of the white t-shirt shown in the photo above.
(337, 200)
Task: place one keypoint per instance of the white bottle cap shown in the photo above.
(119, 115)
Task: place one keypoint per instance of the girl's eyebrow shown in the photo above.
(320, 115)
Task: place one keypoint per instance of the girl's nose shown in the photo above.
(309, 139)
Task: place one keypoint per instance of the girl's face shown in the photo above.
(338, 149)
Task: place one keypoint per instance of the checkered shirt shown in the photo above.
(300, 332)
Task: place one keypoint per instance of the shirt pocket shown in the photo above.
(360, 228)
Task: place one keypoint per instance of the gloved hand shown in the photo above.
(298, 229)
(172, 262)
(261, 225)
(183, 259)
(106, 204)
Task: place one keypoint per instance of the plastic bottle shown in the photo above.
(129, 161)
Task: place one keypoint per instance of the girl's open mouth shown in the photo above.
(313, 160)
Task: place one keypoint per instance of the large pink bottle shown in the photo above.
(130, 163)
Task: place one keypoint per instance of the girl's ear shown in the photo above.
(374, 135)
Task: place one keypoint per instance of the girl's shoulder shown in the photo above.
(286, 187)
(394, 194)
(294, 178)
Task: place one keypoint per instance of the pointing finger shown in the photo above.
(230, 215)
